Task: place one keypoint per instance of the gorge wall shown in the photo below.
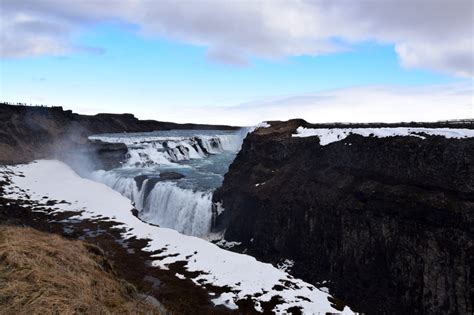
(387, 222)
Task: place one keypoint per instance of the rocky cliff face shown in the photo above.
(30, 132)
(388, 222)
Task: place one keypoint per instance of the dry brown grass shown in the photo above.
(46, 274)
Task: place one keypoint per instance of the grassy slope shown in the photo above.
(44, 273)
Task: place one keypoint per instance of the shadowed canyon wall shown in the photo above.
(388, 222)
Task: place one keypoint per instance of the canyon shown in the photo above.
(380, 216)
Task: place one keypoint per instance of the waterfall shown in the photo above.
(164, 203)
(146, 151)
(184, 205)
(185, 210)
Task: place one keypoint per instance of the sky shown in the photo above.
(242, 62)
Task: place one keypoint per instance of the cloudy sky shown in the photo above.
(243, 61)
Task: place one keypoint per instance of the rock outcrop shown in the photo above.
(148, 182)
(386, 223)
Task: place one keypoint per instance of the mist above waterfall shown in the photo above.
(197, 161)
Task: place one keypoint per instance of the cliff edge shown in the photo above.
(386, 223)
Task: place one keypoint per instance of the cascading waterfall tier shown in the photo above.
(146, 149)
(197, 161)
(164, 203)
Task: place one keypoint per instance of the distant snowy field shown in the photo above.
(242, 273)
(330, 135)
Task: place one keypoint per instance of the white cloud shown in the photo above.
(357, 104)
(434, 34)
(448, 57)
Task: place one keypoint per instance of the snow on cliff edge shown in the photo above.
(329, 135)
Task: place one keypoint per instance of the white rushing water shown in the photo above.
(168, 147)
(183, 204)
(164, 203)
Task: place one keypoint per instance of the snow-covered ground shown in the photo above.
(329, 135)
(242, 273)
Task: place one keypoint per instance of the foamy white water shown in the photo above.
(185, 204)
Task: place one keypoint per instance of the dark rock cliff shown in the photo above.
(389, 222)
(33, 132)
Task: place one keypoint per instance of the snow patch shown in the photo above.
(330, 135)
(225, 299)
(286, 265)
(263, 124)
(228, 244)
(324, 289)
(180, 276)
